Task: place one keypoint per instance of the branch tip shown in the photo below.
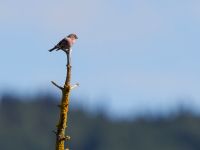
(74, 86)
(65, 138)
(56, 85)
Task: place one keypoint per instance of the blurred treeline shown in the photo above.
(26, 123)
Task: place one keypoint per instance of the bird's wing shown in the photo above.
(63, 44)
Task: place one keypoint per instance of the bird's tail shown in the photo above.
(53, 49)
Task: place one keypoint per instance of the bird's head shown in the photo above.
(72, 37)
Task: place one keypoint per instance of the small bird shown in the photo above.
(66, 43)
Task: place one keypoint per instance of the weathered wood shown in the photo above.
(64, 108)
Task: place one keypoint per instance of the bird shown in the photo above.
(66, 43)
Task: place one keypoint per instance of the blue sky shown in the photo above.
(141, 55)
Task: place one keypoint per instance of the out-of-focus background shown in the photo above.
(137, 62)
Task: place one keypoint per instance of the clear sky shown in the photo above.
(137, 56)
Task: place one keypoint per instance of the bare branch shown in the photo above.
(65, 138)
(64, 105)
(55, 84)
(74, 86)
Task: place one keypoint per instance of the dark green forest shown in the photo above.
(26, 123)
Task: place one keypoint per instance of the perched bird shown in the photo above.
(66, 43)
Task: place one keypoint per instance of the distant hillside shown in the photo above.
(29, 125)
